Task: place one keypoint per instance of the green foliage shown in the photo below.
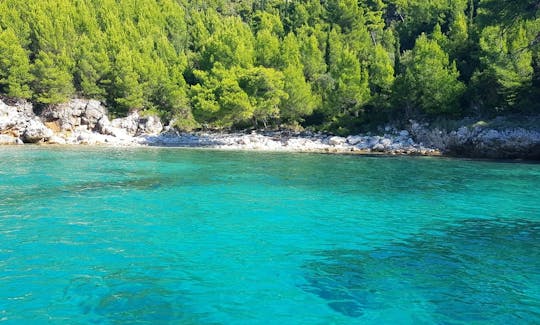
(231, 45)
(128, 92)
(267, 51)
(264, 88)
(332, 64)
(218, 100)
(53, 82)
(508, 66)
(429, 81)
(15, 74)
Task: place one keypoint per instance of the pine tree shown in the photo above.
(53, 82)
(126, 90)
(352, 90)
(381, 74)
(92, 69)
(429, 81)
(508, 68)
(218, 100)
(311, 56)
(267, 52)
(300, 99)
(15, 76)
(264, 86)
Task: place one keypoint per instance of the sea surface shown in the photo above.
(180, 236)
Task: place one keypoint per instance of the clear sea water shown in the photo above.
(158, 236)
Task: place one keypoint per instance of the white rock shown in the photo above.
(36, 131)
(94, 112)
(378, 147)
(386, 142)
(149, 125)
(9, 140)
(336, 141)
(56, 140)
(354, 139)
(130, 123)
(13, 119)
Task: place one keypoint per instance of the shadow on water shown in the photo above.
(476, 270)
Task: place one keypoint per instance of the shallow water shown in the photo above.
(113, 236)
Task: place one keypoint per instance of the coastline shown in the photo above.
(86, 122)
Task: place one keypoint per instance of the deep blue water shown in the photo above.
(122, 236)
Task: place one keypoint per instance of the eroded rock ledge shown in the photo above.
(86, 122)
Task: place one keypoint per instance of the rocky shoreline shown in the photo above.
(86, 122)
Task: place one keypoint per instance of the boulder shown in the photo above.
(104, 126)
(354, 139)
(13, 118)
(67, 115)
(56, 140)
(9, 140)
(149, 125)
(93, 112)
(378, 148)
(74, 113)
(130, 123)
(374, 140)
(336, 141)
(386, 142)
(404, 133)
(36, 131)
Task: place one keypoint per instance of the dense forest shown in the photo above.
(336, 65)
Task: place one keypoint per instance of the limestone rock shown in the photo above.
(378, 147)
(56, 140)
(9, 140)
(130, 123)
(354, 139)
(93, 112)
(36, 131)
(149, 125)
(336, 141)
(13, 119)
(74, 113)
(386, 142)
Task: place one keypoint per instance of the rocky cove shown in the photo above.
(86, 122)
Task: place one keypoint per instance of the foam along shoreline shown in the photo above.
(86, 122)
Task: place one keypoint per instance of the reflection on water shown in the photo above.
(475, 270)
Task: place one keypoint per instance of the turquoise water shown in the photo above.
(113, 236)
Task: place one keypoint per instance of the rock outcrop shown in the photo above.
(20, 122)
(36, 131)
(6, 139)
(481, 141)
(75, 122)
(75, 114)
(149, 125)
(87, 122)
